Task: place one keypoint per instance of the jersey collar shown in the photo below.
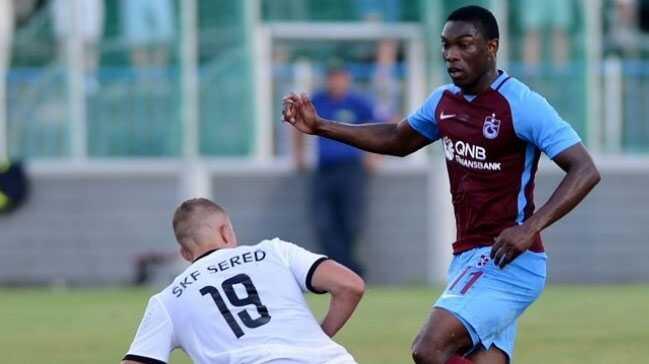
(204, 255)
(495, 84)
(502, 77)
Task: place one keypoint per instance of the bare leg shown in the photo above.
(493, 356)
(441, 337)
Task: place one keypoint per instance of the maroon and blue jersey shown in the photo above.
(492, 143)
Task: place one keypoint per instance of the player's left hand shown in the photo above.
(511, 243)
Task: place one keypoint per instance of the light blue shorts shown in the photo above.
(488, 300)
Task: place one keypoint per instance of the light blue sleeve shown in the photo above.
(537, 122)
(423, 119)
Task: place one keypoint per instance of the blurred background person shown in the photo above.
(623, 31)
(553, 16)
(148, 27)
(384, 85)
(339, 184)
(89, 25)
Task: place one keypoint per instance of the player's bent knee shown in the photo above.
(429, 354)
(428, 357)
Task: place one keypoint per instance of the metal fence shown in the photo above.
(143, 113)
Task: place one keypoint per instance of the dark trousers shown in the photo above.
(338, 210)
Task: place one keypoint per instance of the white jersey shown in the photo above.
(240, 305)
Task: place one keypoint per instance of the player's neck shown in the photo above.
(482, 84)
(337, 95)
(208, 249)
(203, 254)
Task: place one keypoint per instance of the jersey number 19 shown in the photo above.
(251, 298)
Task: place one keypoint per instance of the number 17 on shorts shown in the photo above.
(462, 284)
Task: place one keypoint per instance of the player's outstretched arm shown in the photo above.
(382, 138)
(346, 289)
(581, 176)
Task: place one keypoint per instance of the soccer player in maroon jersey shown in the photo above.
(493, 130)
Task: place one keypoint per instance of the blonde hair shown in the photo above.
(189, 219)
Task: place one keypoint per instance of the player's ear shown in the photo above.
(186, 254)
(492, 47)
(227, 234)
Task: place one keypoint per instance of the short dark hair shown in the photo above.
(480, 17)
(185, 218)
(335, 66)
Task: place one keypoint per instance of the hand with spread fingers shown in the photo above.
(511, 243)
(300, 112)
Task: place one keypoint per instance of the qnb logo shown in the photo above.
(463, 149)
(468, 155)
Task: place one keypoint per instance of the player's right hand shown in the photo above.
(511, 243)
(300, 112)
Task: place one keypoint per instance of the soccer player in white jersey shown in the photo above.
(244, 304)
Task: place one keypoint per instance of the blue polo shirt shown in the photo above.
(351, 108)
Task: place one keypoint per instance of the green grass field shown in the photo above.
(569, 324)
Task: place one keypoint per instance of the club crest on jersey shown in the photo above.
(491, 127)
(449, 150)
